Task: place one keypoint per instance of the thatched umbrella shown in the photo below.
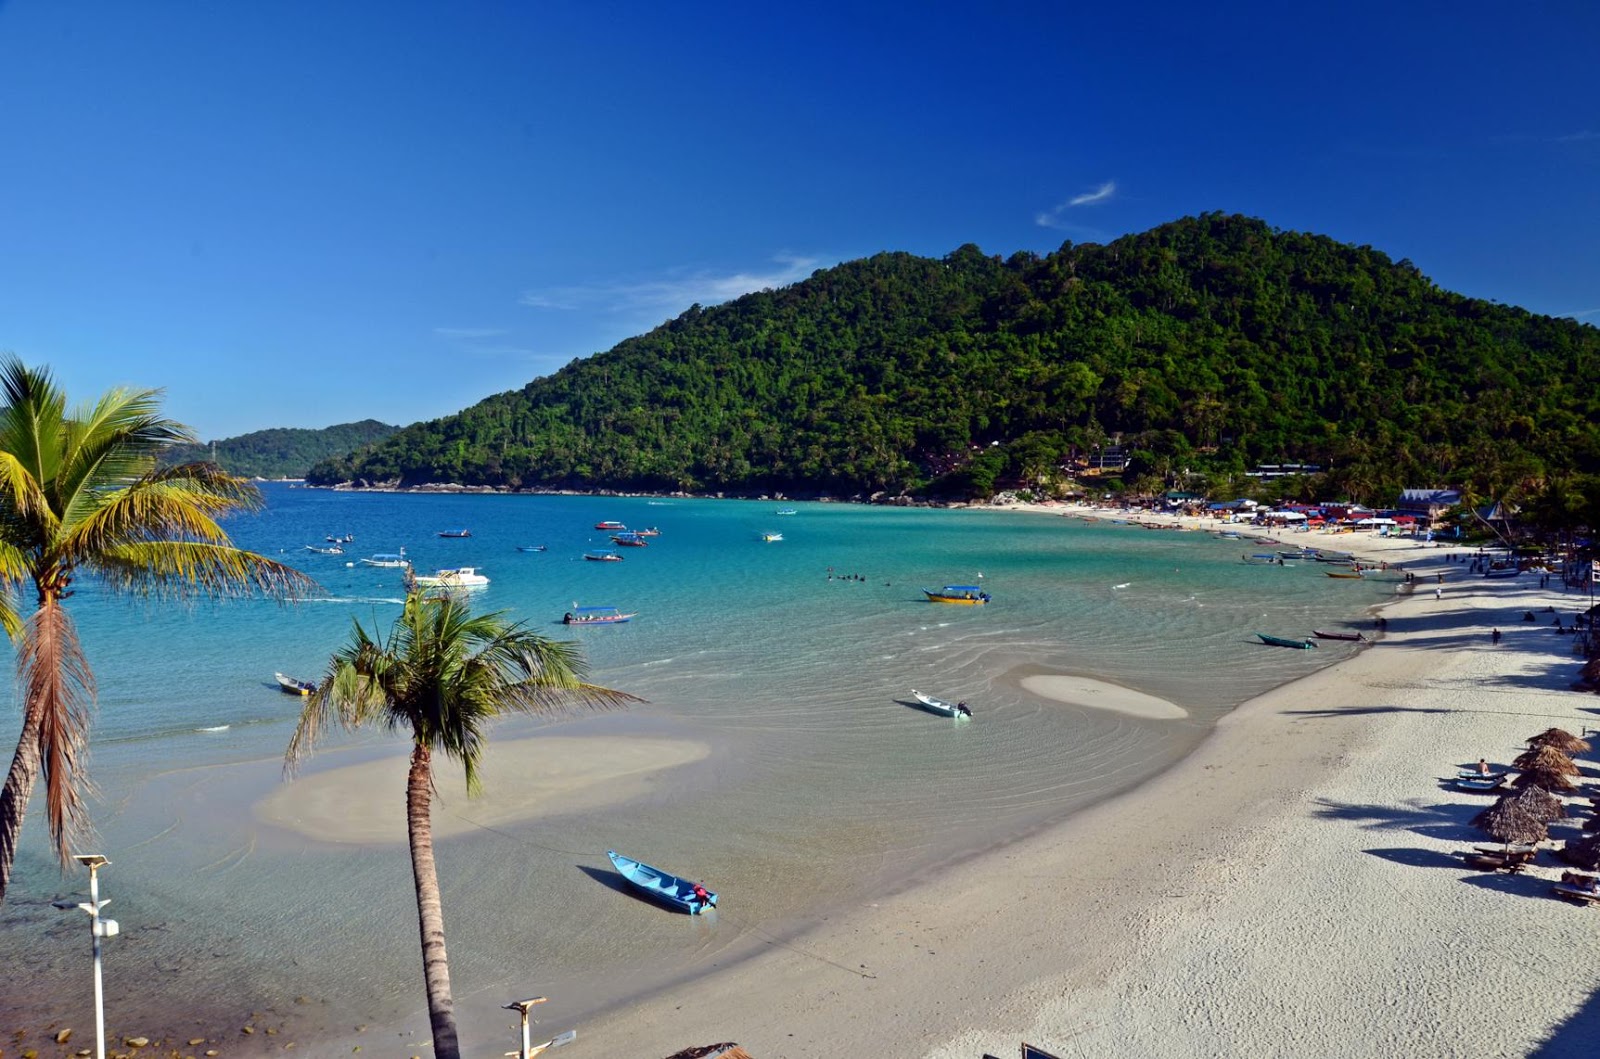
(1505, 821)
(1582, 852)
(1540, 803)
(1561, 739)
(1547, 767)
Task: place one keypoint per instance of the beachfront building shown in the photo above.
(1429, 504)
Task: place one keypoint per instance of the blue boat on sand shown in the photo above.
(663, 886)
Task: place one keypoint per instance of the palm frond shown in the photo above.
(58, 685)
(185, 569)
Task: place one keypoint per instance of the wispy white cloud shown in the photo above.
(469, 332)
(1579, 137)
(1056, 216)
(1095, 197)
(1580, 314)
(673, 292)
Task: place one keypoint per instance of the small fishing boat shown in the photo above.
(1283, 641)
(346, 539)
(658, 885)
(770, 537)
(1327, 634)
(291, 686)
(1263, 559)
(610, 525)
(331, 549)
(386, 559)
(532, 548)
(602, 556)
(595, 616)
(453, 577)
(629, 539)
(957, 710)
(650, 532)
(968, 594)
(1354, 575)
(786, 511)
(455, 533)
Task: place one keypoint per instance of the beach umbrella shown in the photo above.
(1548, 760)
(1540, 803)
(1561, 739)
(1582, 852)
(1507, 822)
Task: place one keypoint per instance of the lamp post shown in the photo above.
(528, 1050)
(98, 928)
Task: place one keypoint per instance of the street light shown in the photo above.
(98, 928)
(528, 1051)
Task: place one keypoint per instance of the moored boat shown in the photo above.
(1284, 641)
(532, 548)
(332, 549)
(1329, 634)
(455, 533)
(291, 686)
(453, 577)
(651, 531)
(968, 594)
(611, 525)
(786, 511)
(386, 559)
(602, 556)
(629, 539)
(941, 707)
(595, 616)
(770, 537)
(346, 539)
(662, 886)
(1353, 574)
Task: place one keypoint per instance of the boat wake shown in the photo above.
(215, 728)
(354, 599)
(1124, 584)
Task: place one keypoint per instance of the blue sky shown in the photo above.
(300, 214)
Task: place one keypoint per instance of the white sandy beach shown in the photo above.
(1290, 888)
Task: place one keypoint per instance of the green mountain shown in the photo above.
(284, 452)
(1208, 345)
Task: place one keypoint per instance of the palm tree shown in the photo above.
(80, 493)
(443, 675)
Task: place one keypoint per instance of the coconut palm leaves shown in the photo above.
(80, 495)
(443, 675)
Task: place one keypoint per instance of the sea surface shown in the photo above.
(793, 660)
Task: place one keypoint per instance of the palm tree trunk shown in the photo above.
(14, 798)
(430, 907)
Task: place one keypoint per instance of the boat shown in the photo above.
(629, 540)
(662, 886)
(1283, 641)
(601, 556)
(610, 525)
(1325, 634)
(1303, 553)
(386, 559)
(939, 706)
(453, 577)
(332, 549)
(770, 537)
(291, 686)
(651, 532)
(595, 616)
(786, 511)
(1263, 559)
(346, 539)
(532, 548)
(1353, 574)
(455, 533)
(1334, 557)
(1480, 783)
(970, 594)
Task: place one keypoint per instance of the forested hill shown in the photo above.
(284, 452)
(1207, 344)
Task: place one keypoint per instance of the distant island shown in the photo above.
(283, 452)
(1195, 351)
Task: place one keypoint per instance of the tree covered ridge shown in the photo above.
(282, 452)
(1209, 344)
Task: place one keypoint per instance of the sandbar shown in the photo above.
(523, 779)
(1101, 695)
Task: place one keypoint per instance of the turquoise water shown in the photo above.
(822, 784)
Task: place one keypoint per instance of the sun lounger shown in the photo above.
(1493, 862)
(1572, 893)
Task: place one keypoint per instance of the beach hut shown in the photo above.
(1507, 822)
(1546, 767)
(1540, 803)
(1561, 739)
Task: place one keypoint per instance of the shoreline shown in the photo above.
(965, 939)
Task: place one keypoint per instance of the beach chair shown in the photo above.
(1572, 893)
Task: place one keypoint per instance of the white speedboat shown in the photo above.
(939, 706)
(454, 577)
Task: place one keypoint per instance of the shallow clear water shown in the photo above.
(822, 786)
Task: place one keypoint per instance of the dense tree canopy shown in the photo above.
(284, 452)
(1208, 344)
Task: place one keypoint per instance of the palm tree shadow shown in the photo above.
(1447, 821)
(1417, 858)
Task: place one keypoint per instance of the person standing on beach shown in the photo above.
(1438, 593)
(1495, 636)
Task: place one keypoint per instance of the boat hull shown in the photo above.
(291, 686)
(1324, 634)
(962, 595)
(939, 706)
(1284, 641)
(660, 886)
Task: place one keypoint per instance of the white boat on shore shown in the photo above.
(941, 707)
